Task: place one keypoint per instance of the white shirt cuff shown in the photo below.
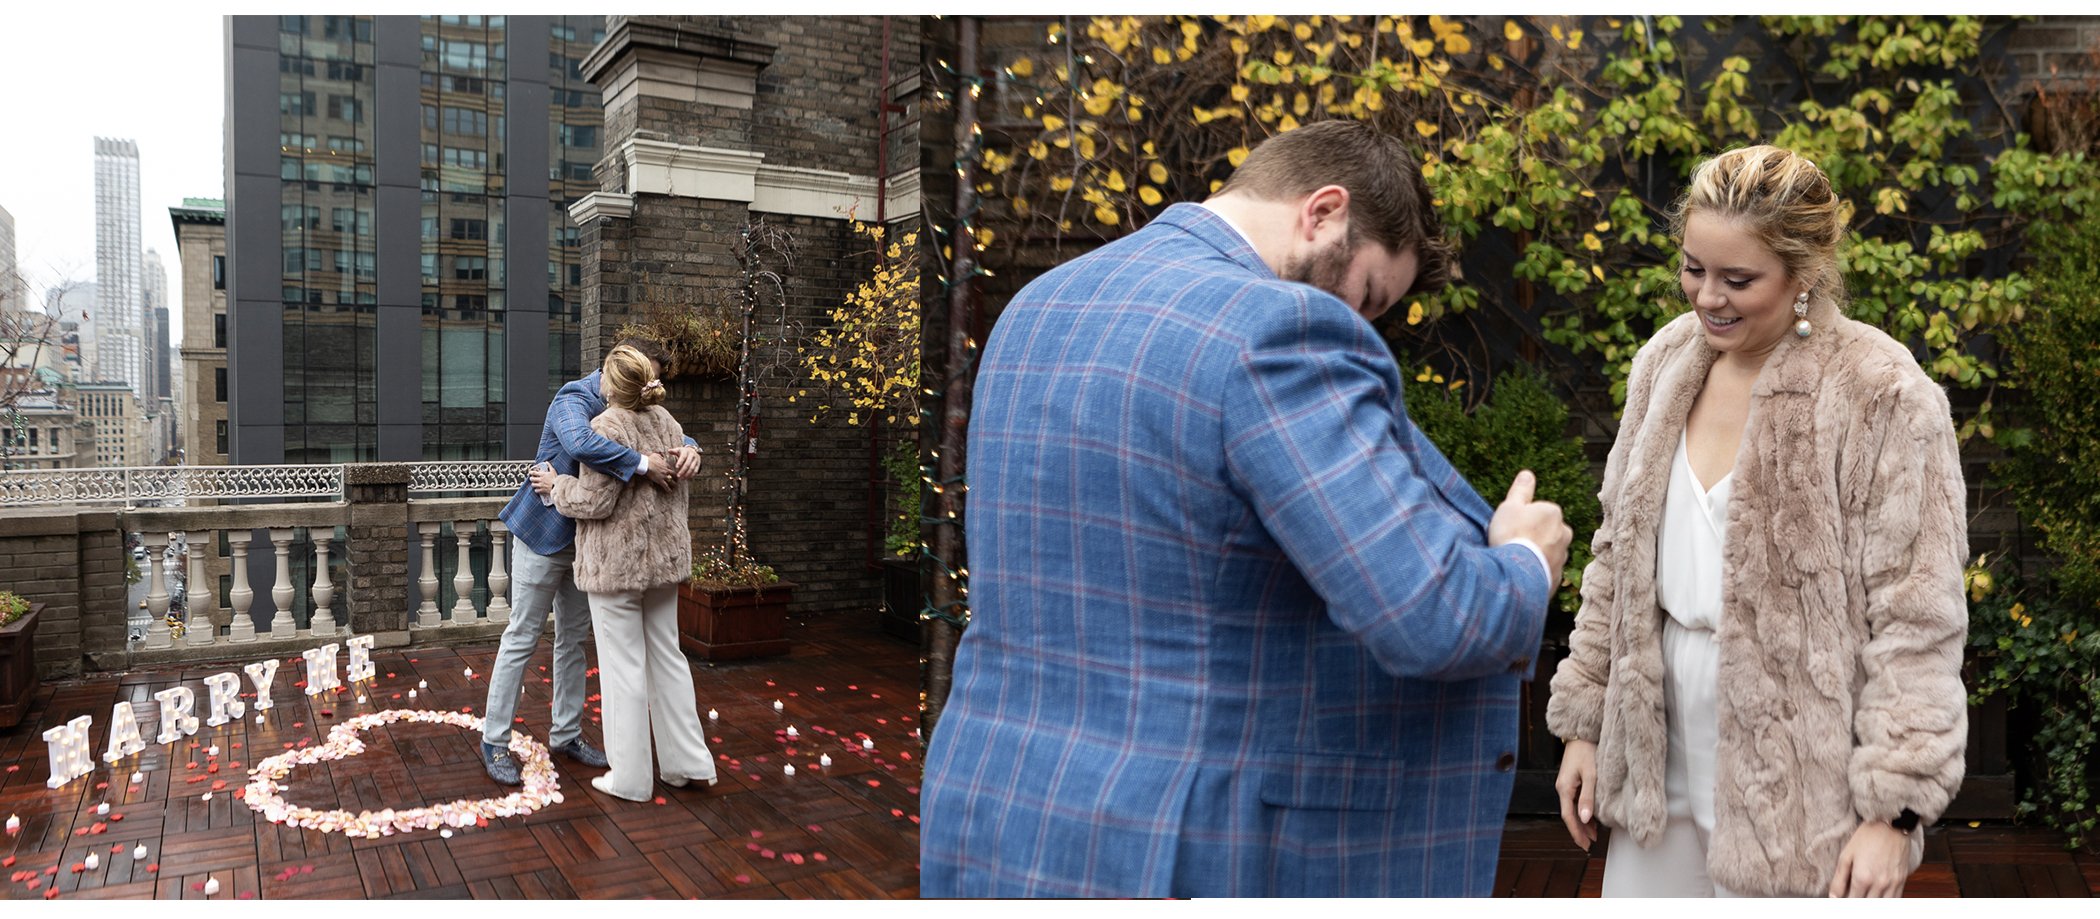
(1552, 577)
(642, 468)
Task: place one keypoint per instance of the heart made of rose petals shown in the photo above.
(265, 791)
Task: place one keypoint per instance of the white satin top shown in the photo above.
(1688, 546)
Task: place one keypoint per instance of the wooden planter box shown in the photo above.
(733, 624)
(901, 598)
(18, 666)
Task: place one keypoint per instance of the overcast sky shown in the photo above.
(150, 75)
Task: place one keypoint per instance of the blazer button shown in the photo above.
(1505, 762)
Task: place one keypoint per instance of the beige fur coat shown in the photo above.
(1840, 696)
(628, 536)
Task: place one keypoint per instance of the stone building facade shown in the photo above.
(714, 123)
(200, 241)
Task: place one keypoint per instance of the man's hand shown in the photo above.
(688, 460)
(1538, 521)
(542, 478)
(660, 472)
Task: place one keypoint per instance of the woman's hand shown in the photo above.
(1578, 791)
(1875, 863)
(542, 478)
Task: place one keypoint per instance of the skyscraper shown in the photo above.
(14, 289)
(403, 285)
(155, 311)
(119, 287)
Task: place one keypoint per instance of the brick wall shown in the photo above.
(74, 565)
(2053, 48)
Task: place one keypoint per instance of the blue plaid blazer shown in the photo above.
(1237, 630)
(566, 439)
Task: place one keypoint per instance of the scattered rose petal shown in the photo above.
(743, 879)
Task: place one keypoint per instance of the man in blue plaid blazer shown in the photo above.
(541, 572)
(1239, 629)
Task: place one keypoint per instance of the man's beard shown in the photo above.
(1325, 269)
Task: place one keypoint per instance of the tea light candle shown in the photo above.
(824, 759)
(788, 770)
(138, 853)
(360, 698)
(138, 777)
(212, 750)
(778, 705)
(712, 714)
(92, 861)
(791, 732)
(102, 809)
(207, 796)
(14, 824)
(411, 693)
(867, 743)
(422, 684)
(211, 887)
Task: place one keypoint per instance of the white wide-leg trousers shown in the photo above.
(648, 690)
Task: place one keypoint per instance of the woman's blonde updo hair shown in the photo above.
(631, 382)
(1782, 200)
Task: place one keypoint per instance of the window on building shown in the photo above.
(296, 104)
(466, 121)
(430, 268)
(218, 278)
(218, 378)
(345, 108)
(222, 437)
(470, 268)
(218, 321)
(579, 135)
(469, 228)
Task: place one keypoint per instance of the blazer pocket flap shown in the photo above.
(1355, 783)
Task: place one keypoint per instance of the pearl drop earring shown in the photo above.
(1801, 325)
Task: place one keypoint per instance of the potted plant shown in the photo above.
(732, 611)
(18, 619)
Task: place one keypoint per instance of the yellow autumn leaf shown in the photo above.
(1060, 183)
(1301, 104)
(1495, 61)
(1086, 146)
(1025, 67)
(984, 236)
(1512, 31)
(1592, 243)
(1052, 123)
(1133, 114)
(1429, 170)
(1597, 270)
(1038, 150)
(1575, 40)
(1603, 225)
(1239, 92)
(1098, 105)
(1115, 181)
(1149, 195)
(1236, 156)
(1414, 313)
(1282, 58)
(1425, 128)
(1106, 214)
(1162, 56)
(1158, 174)
(1288, 123)
(1303, 31)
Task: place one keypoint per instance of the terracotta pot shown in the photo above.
(719, 624)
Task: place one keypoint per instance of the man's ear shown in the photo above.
(1324, 212)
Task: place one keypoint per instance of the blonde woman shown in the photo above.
(632, 549)
(1764, 692)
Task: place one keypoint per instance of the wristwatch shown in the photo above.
(1905, 822)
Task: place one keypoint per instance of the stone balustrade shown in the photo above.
(352, 549)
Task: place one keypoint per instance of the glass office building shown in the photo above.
(380, 170)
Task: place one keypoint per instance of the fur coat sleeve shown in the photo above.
(1909, 729)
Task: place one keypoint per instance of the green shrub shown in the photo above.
(12, 607)
(712, 571)
(2041, 645)
(1522, 425)
(902, 465)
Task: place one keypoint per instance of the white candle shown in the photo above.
(778, 705)
(14, 824)
(360, 698)
(824, 759)
(92, 861)
(207, 796)
(102, 809)
(791, 732)
(211, 887)
(444, 834)
(138, 853)
(469, 672)
(261, 719)
(422, 684)
(212, 750)
(137, 777)
(867, 743)
(712, 714)
(411, 693)
(790, 770)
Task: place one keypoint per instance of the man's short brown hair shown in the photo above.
(651, 349)
(1389, 203)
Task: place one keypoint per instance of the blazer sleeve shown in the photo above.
(590, 494)
(1311, 442)
(570, 417)
(1910, 727)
